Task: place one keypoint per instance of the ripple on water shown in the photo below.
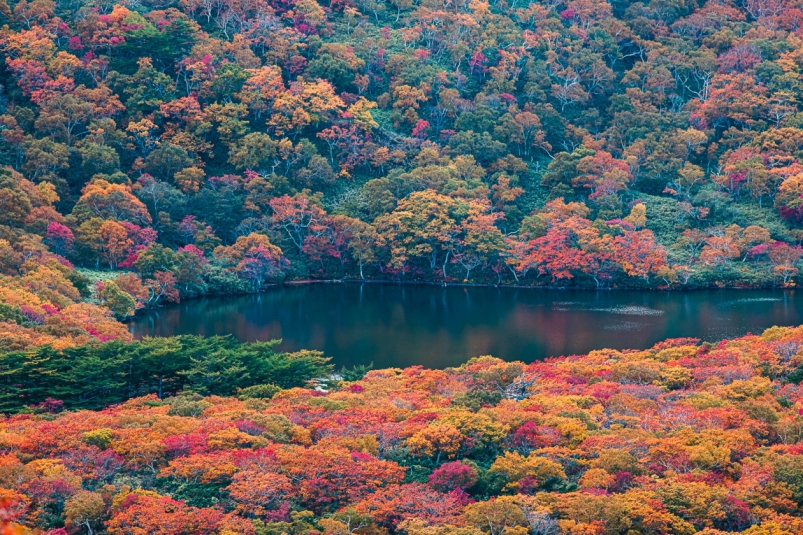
(623, 326)
(624, 310)
(750, 300)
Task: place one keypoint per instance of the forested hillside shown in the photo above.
(680, 438)
(157, 150)
(218, 145)
(215, 146)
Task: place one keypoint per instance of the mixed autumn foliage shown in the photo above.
(680, 438)
(185, 147)
(154, 150)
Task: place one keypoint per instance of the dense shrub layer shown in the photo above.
(681, 438)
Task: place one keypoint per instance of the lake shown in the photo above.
(404, 325)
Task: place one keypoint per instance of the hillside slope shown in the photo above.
(216, 147)
(681, 438)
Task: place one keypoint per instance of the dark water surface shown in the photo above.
(438, 327)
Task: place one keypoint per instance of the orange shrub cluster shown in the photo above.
(42, 299)
(681, 438)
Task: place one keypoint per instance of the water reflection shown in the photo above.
(438, 327)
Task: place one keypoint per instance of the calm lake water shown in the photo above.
(438, 327)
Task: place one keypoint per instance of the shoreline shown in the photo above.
(514, 286)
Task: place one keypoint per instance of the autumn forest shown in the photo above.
(153, 151)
